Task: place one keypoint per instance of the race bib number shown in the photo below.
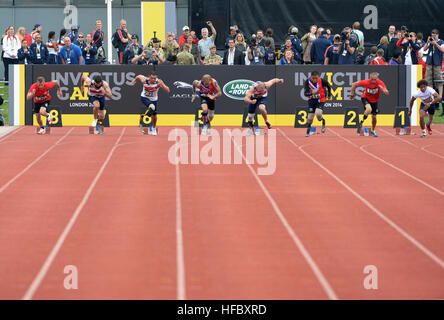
(150, 94)
(428, 100)
(372, 91)
(316, 96)
(41, 98)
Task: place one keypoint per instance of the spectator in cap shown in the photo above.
(154, 46)
(170, 47)
(319, 47)
(184, 36)
(193, 48)
(213, 58)
(133, 49)
(379, 60)
(74, 34)
(296, 42)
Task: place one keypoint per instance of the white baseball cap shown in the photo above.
(185, 28)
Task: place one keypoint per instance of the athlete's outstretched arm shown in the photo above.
(270, 83)
(412, 100)
(164, 86)
(108, 92)
(140, 77)
(353, 88)
(86, 81)
(57, 84)
(30, 94)
(247, 98)
(195, 86)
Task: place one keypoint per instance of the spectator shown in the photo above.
(240, 43)
(332, 52)
(146, 58)
(379, 60)
(307, 41)
(213, 58)
(183, 38)
(206, 42)
(348, 49)
(420, 37)
(270, 55)
(318, 32)
(372, 55)
(260, 38)
(391, 48)
(233, 56)
(11, 45)
(61, 43)
(172, 60)
(23, 54)
(121, 38)
(39, 51)
(319, 47)
(21, 34)
(170, 47)
(331, 36)
(410, 48)
(31, 37)
(133, 49)
(434, 59)
(80, 40)
(383, 44)
(359, 33)
(289, 46)
(232, 36)
(74, 34)
(193, 48)
(287, 58)
(89, 50)
(391, 33)
(97, 37)
(269, 36)
(296, 43)
(53, 48)
(185, 57)
(255, 53)
(396, 59)
(70, 53)
(159, 56)
(360, 58)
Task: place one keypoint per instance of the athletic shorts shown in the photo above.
(147, 102)
(252, 107)
(101, 101)
(314, 104)
(210, 103)
(430, 110)
(38, 105)
(374, 105)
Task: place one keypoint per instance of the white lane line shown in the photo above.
(362, 148)
(431, 152)
(410, 238)
(10, 134)
(181, 293)
(314, 267)
(29, 166)
(55, 250)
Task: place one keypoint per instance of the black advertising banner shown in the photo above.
(374, 16)
(290, 95)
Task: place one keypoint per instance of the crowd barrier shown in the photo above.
(176, 109)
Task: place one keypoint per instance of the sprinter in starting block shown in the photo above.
(317, 91)
(429, 97)
(98, 90)
(40, 92)
(257, 97)
(149, 98)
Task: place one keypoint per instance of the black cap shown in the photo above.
(134, 36)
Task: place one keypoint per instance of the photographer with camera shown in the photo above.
(435, 46)
(347, 49)
(410, 48)
(255, 52)
(296, 42)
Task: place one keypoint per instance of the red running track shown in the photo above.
(138, 227)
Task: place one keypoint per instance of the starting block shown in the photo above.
(47, 130)
(93, 129)
(406, 131)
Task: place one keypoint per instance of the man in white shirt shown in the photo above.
(429, 97)
(206, 42)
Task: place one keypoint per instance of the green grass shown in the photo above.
(437, 118)
(4, 108)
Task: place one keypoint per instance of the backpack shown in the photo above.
(115, 40)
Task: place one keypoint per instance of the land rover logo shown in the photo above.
(237, 89)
